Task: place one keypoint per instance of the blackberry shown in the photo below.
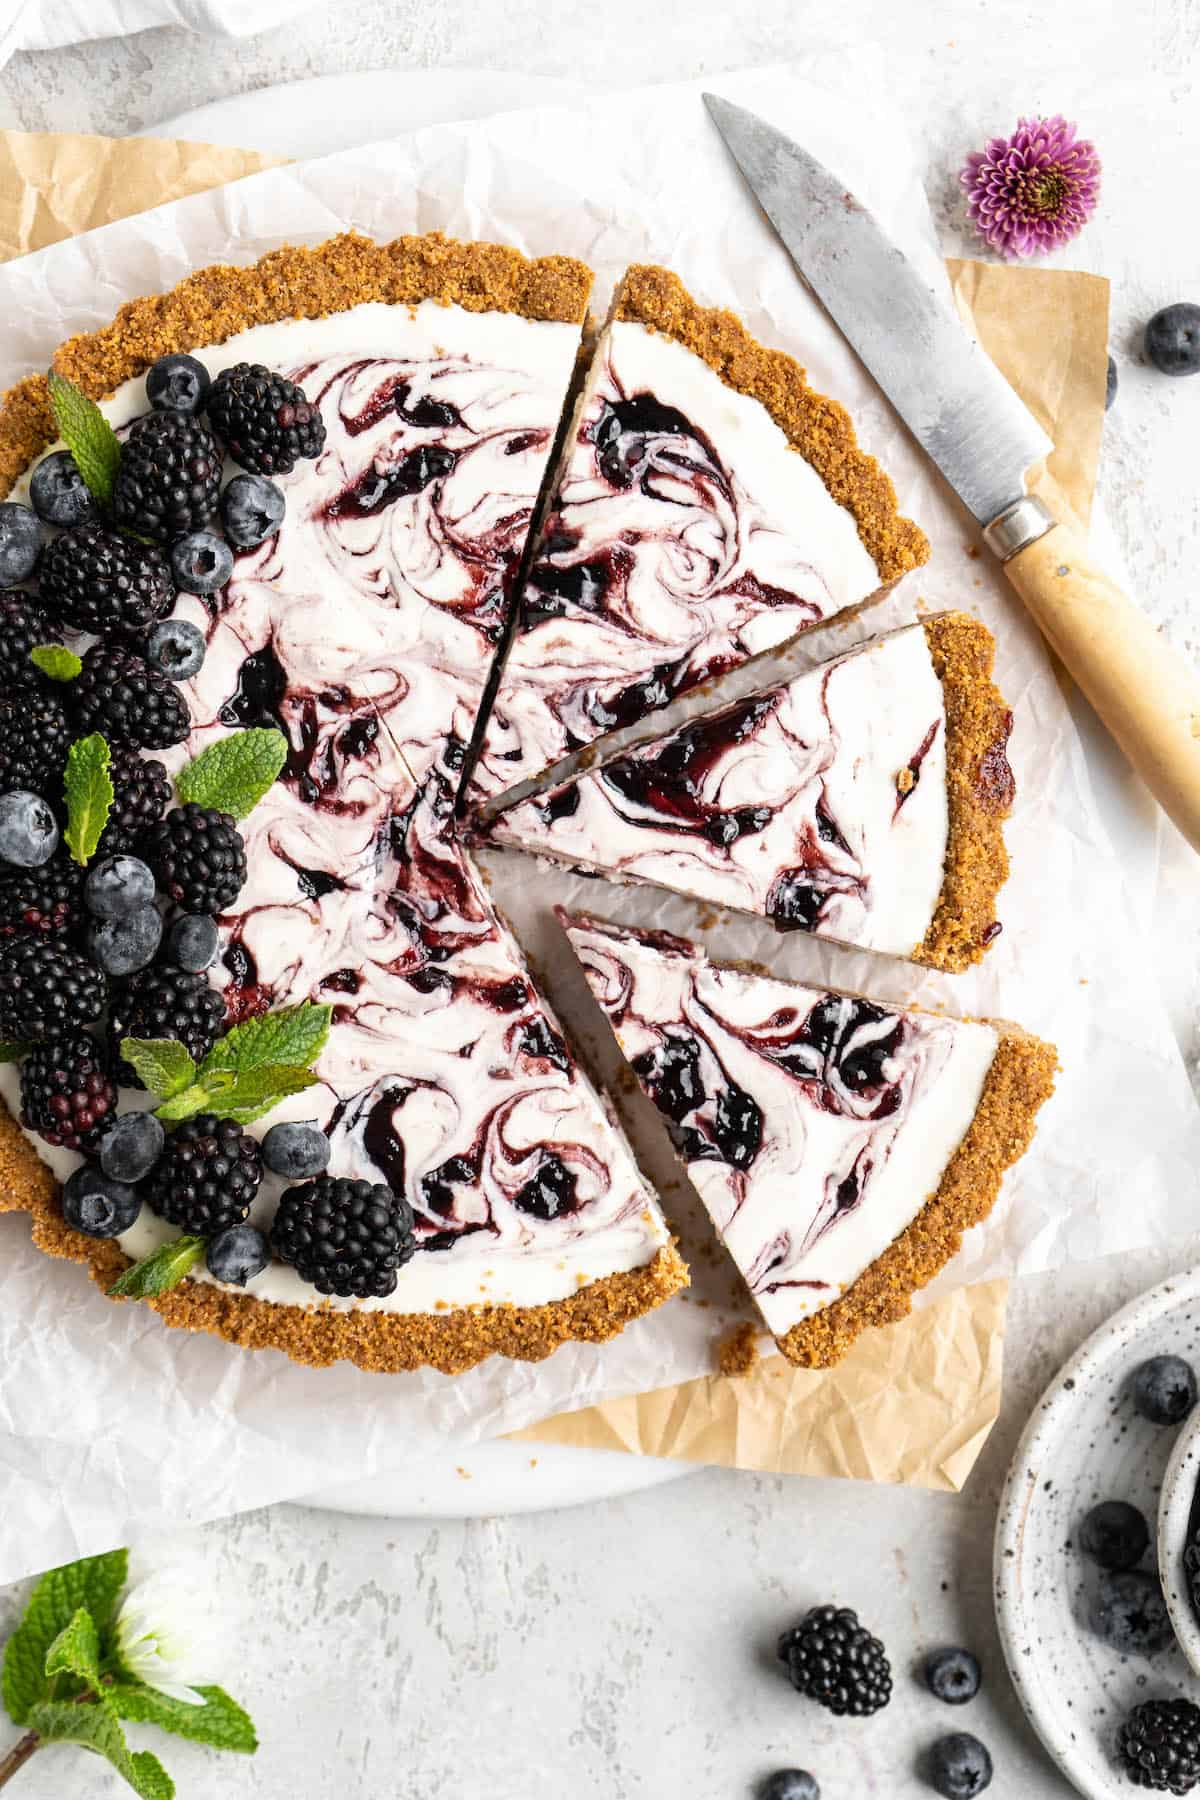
(142, 792)
(832, 1659)
(93, 579)
(34, 740)
(168, 477)
(345, 1237)
(46, 988)
(23, 626)
(1159, 1746)
(66, 1094)
(120, 696)
(198, 858)
(207, 1177)
(265, 422)
(164, 1003)
(48, 900)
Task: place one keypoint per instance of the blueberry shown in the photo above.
(123, 946)
(201, 562)
(1110, 384)
(953, 1676)
(959, 1766)
(177, 383)
(1173, 339)
(251, 509)
(1164, 1389)
(790, 1784)
(28, 832)
(176, 649)
(1114, 1534)
(238, 1253)
(297, 1151)
(59, 493)
(97, 1205)
(118, 886)
(131, 1146)
(1129, 1613)
(20, 542)
(193, 941)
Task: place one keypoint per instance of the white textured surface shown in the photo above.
(624, 1652)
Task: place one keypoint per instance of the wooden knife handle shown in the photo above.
(1142, 688)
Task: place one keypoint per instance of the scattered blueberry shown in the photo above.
(953, 1676)
(201, 562)
(177, 383)
(123, 946)
(238, 1253)
(20, 542)
(97, 1205)
(1164, 1390)
(1173, 339)
(1114, 1534)
(117, 887)
(59, 493)
(193, 941)
(251, 509)
(131, 1146)
(28, 831)
(297, 1151)
(1129, 1613)
(1110, 385)
(176, 649)
(790, 1784)
(959, 1766)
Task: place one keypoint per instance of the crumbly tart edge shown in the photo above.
(819, 428)
(978, 720)
(380, 1342)
(1019, 1081)
(212, 304)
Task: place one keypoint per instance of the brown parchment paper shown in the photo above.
(913, 1403)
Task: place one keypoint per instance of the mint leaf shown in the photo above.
(93, 1582)
(258, 1091)
(98, 1727)
(76, 1649)
(220, 1722)
(202, 1095)
(13, 1051)
(234, 773)
(162, 1270)
(88, 436)
(163, 1064)
(294, 1036)
(88, 789)
(56, 661)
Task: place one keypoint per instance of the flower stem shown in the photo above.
(18, 1756)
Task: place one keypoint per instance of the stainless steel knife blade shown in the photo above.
(951, 396)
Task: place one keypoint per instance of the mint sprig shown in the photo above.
(293, 1034)
(94, 1582)
(233, 774)
(98, 1728)
(56, 661)
(162, 1064)
(88, 791)
(88, 436)
(159, 1272)
(220, 1722)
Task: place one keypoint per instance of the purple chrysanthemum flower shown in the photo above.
(1031, 192)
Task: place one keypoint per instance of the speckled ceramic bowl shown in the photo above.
(1178, 1518)
(1083, 1444)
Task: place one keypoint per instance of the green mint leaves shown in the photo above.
(56, 661)
(220, 1722)
(88, 436)
(247, 1072)
(76, 1649)
(98, 1727)
(163, 1064)
(233, 774)
(294, 1034)
(158, 1273)
(93, 1583)
(88, 790)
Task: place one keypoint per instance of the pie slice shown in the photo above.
(861, 801)
(708, 506)
(841, 1147)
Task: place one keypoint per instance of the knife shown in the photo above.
(967, 418)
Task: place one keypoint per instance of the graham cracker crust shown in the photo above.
(294, 282)
(816, 426)
(1018, 1083)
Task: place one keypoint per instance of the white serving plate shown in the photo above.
(1084, 1443)
(1179, 1504)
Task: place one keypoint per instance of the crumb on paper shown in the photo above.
(738, 1353)
(974, 552)
(464, 1473)
(533, 1462)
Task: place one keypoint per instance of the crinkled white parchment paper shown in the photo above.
(109, 1423)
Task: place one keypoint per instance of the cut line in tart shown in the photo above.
(841, 1147)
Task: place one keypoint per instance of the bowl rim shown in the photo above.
(1181, 1484)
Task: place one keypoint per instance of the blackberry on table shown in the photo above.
(345, 1237)
(34, 739)
(835, 1661)
(207, 1177)
(142, 792)
(198, 857)
(66, 1093)
(46, 988)
(23, 626)
(120, 696)
(94, 579)
(1159, 1746)
(48, 899)
(265, 422)
(168, 476)
(164, 1003)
